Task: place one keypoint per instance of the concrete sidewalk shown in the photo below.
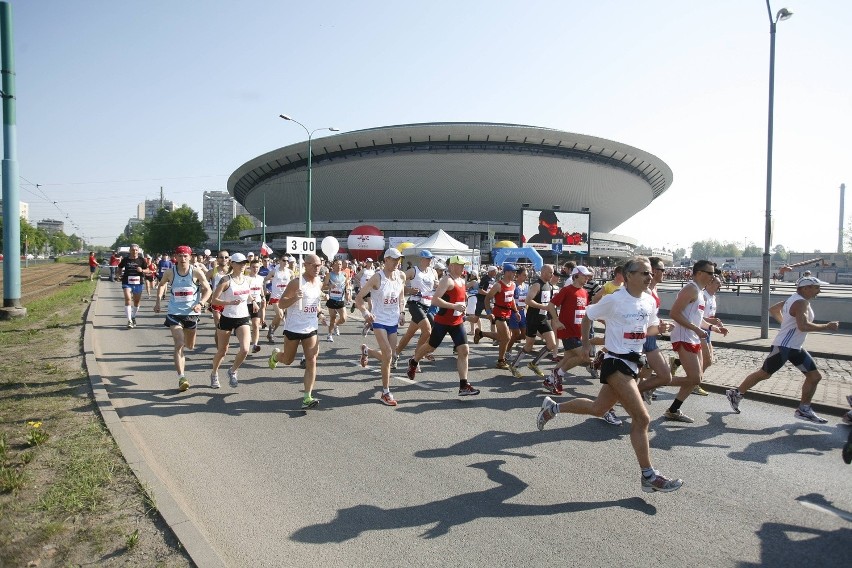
(743, 351)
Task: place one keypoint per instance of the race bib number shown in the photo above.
(545, 296)
(310, 309)
(183, 295)
(522, 301)
(134, 280)
(426, 300)
(336, 293)
(391, 301)
(578, 317)
(508, 297)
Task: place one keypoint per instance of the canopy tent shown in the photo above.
(442, 245)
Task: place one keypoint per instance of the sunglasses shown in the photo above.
(224, 257)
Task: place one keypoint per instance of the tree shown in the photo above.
(752, 251)
(780, 253)
(137, 235)
(678, 254)
(240, 223)
(169, 229)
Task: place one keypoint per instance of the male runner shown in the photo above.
(502, 293)
(131, 270)
(796, 318)
(278, 278)
(188, 295)
(336, 284)
(630, 314)
(538, 297)
(422, 280)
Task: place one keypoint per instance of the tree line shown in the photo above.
(39, 241)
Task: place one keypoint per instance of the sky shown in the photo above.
(118, 99)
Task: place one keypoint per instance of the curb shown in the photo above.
(190, 537)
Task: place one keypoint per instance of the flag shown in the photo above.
(265, 250)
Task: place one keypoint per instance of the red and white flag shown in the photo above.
(265, 250)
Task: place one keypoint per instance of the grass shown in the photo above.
(67, 497)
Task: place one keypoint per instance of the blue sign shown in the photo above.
(557, 248)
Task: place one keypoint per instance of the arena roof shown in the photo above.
(452, 171)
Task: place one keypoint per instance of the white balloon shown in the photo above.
(206, 252)
(330, 246)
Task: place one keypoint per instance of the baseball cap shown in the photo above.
(183, 249)
(392, 253)
(809, 281)
(440, 265)
(581, 270)
(368, 259)
(492, 269)
(456, 260)
(238, 257)
(509, 267)
(425, 254)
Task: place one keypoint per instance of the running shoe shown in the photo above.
(699, 391)
(255, 349)
(263, 325)
(337, 330)
(647, 396)
(269, 338)
(547, 412)
(515, 372)
(593, 372)
(214, 381)
(309, 402)
(661, 484)
(534, 368)
(468, 390)
(477, 335)
(809, 415)
(273, 359)
(502, 364)
(429, 357)
(303, 363)
(130, 324)
(678, 416)
(394, 361)
(134, 321)
(232, 379)
(183, 384)
(365, 355)
(387, 399)
(734, 398)
(412, 368)
(674, 363)
(366, 329)
(611, 418)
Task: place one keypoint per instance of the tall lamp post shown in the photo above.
(310, 134)
(783, 14)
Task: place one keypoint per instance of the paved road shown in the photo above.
(248, 479)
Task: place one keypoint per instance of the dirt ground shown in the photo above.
(70, 500)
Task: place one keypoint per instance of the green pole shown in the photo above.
(11, 197)
(308, 206)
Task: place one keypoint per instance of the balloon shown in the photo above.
(402, 246)
(330, 246)
(366, 241)
(206, 252)
(505, 244)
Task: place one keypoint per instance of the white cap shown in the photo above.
(492, 269)
(392, 253)
(238, 257)
(581, 270)
(810, 281)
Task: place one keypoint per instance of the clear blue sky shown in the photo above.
(116, 99)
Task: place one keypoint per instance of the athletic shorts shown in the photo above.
(612, 365)
(418, 312)
(538, 324)
(186, 322)
(799, 358)
(335, 304)
(439, 330)
(570, 343)
(92, 269)
(650, 344)
(135, 289)
(691, 347)
(516, 324)
(480, 306)
(230, 324)
(255, 314)
(294, 336)
(390, 329)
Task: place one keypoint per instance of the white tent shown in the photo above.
(443, 246)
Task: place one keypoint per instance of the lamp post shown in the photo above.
(310, 134)
(783, 14)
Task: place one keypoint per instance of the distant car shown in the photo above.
(40, 257)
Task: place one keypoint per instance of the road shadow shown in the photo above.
(439, 517)
(783, 545)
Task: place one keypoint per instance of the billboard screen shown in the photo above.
(542, 230)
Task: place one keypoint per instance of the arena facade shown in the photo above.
(470, 179)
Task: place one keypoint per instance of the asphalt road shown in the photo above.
(443, 481)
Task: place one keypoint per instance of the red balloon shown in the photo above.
(366, 241)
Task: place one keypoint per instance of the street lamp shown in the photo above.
(218, 222)
(310, 134)
(783, 14)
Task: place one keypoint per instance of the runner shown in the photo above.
(710, 318)
(630, 314)
(572, 301)
(538, 296)
(657, 372)
(450, 299)
(150, 273)
(278, 278)
(131, 270)
(796, 318)
(502, 293)
(367, 271)
(518, 328)
(336, 283)
(422, 280)
(93, 266)
(387, 288)
(233, 293)
(188, 295)
(688, 315)
(257, 307)
(301, 299)
(485, 283)
(214, 276)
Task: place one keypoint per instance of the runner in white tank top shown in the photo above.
(301, 299)
(387, 290)
(234, 293)
(422, 281)
(278, 279)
